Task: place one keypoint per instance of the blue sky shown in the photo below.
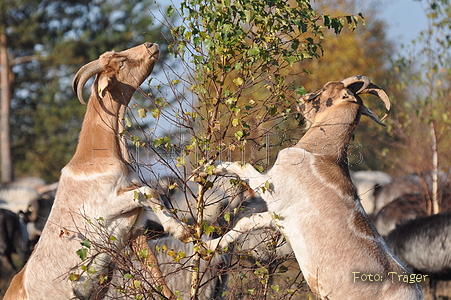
(406, 18)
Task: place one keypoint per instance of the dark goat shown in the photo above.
(13, 236)
(424, 245)
(409, 184)
(405, 208)
(36, 215)
(401, 210)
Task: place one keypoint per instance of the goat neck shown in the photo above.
(118, 75)
(99, 138)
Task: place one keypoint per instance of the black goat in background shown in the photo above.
(424, 245)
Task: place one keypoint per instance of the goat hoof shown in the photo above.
(187, 239)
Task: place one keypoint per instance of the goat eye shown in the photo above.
(345, 96)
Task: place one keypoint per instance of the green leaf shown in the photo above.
(170, 11)
(74, 277)
(209, 170)
(208, 229)
(301, 91)
(267, 185)
(86, 243)
(254, 51)
(155, 113)
(275, 288)
(231, 100)
(181, 161)
(83, 268)
(161, 141)
(102, 279)
(239, 135)
(143, 253)
(82, 253)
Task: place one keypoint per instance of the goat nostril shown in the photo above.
(148, 45)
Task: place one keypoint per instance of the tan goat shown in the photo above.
(97, 184)
(312, 200)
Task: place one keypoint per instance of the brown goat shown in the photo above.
(97, 184)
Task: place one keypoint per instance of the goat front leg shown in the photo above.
(246, 172)
(245, 225)
(150, 199)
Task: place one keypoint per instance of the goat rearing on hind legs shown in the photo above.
(98, 183)
(312, 200)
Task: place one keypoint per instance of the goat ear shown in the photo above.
(355, 87)
(371, 115)
(102, 85)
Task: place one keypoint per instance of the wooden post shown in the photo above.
(5, 107)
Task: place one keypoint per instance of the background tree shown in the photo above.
(423, 123)
(46, 41)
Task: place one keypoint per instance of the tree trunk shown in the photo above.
(5, 104)
(435, 207)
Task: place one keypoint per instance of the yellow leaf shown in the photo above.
(238, 81)
(142, 113)
(172, 253)
(137, 283)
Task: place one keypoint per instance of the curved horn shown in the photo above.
(357, 78)
(83, 75)
(380, 93)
